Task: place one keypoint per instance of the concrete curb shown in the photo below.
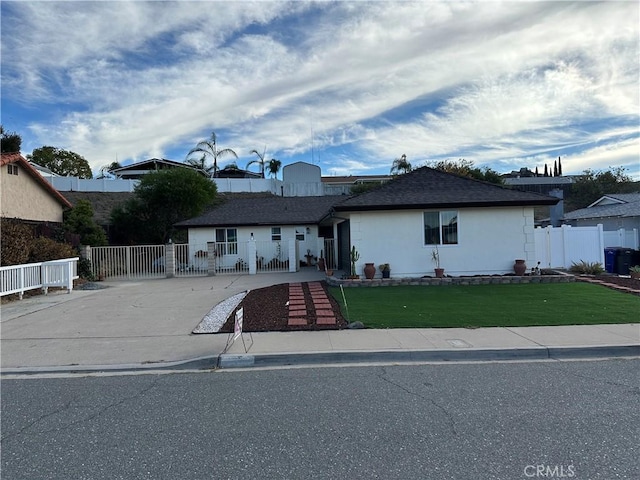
(201, 363)
(238, 361)
(228, 361)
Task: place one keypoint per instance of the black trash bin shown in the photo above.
(624, 260)
(610, 255)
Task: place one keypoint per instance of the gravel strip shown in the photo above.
(218, 315)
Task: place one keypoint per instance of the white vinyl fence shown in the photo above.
(21, 278)
(560, 247)
(622, 238)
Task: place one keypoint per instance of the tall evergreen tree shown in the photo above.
(559, 167)
(546, 170)
(555, 168)
(537, 174)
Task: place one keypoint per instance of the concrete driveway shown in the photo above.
(135, 322)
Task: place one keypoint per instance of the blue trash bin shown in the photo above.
(610, 256)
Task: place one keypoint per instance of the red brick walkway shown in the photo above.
(298, 314)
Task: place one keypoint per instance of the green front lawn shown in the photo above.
(487, 305)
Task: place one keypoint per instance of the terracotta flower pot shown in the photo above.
(519, 267)
(369, 271)
(439, 272)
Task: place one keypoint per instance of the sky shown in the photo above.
(348, 86)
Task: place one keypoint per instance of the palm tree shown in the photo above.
(401, 165)
(259, 160)
(107, 170)
(273, 167)
(209, 147)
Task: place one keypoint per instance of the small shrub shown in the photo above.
(587, 268)
(85, 271)
(44, 249)
(16, 242)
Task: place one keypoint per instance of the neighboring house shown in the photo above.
(339, 185)
(613, 211)
(26, 195)
(479, 228)
(135, 171)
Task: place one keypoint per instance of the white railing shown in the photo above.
(191, 260)
(188, 259)
(127, 262)
(21, 278)
(272, 256)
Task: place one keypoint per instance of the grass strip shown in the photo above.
(488, 305)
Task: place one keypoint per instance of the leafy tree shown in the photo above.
(592, 185)
(79, 220)
(160, 200)
(466, 168)
(260, 160)
(273, 167)
(400, 165)
(209, 148)
(9, 142)
(61, 162)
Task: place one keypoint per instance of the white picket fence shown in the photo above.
(21, 278)
(560, 247)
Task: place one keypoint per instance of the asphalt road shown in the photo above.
(476, 421)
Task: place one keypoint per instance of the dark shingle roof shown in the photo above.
(429, 188)
(265, 210)
(102, 203)
(630, 208)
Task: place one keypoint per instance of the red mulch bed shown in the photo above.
(265, 309)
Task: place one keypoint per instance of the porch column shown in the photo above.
(252, 254)
(293, 255)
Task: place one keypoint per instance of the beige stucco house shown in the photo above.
(25, 194)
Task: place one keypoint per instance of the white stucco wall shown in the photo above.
(262, 236)
(489, 240)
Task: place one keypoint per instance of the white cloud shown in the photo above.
(510, 81)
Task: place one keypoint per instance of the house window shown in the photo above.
(12, 169)
(441, 228)
(300, 234)
(276, 234)
(226, 241)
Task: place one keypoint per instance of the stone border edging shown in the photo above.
(429, 281)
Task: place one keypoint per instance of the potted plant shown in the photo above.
(635, 272)
(309, 257)
(435, 257)
(354, 256)
(385, 270)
